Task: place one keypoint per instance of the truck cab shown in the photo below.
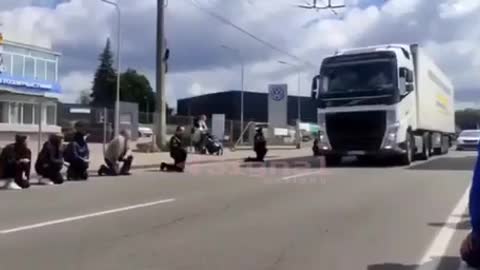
(368, 104)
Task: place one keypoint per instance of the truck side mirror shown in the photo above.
(315, 86)
(409, 77)
(409, 88)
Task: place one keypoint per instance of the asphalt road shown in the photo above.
(285, 215)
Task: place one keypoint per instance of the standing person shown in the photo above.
(118, 150)
(78, 154)
(259, 146)
(470, 250)
(15, 162)
(200, 131)
(49, 162)
(177, 152)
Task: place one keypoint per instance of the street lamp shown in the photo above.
(117, 98)
(237, 53)
(299, 114)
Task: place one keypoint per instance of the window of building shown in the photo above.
(40, 69)
(17, 65)
(51, 71)
(15, 113)
(6, 67)
(28, 113)
(29, 67)
(3, 112)
(51, 114)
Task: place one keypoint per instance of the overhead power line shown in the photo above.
(244, 31)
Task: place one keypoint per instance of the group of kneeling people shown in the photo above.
(15, 159)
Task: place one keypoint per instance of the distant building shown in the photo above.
(68, 114)
(255, 106)
(29, 89)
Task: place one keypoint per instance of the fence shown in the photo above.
(101, 128)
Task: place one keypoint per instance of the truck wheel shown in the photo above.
(446, 145)
(425, 155)
(332, 160)
(407, 158)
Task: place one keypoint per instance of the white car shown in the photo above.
(145, 132)
(468, 139)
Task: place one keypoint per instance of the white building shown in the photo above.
(29, 90)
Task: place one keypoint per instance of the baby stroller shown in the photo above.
(213, 145)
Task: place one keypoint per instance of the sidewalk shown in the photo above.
(153, 160)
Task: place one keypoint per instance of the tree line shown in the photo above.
(134, 86)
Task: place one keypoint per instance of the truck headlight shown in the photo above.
(323, 142)
(390, 139)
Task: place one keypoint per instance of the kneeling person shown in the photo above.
(177, 152)
(50, 160)
(77, 154)
(15, 161)
(118, 151)
(259, 147)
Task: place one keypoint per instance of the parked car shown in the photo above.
(468, 139)
(145, 132)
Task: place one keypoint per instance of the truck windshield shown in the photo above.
(358, 77)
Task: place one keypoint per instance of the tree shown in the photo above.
(104, 83)
(85, 97)
(135, 87)
(468, 119)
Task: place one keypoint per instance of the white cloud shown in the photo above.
(78, 28)
(458, 8)
(75, 82)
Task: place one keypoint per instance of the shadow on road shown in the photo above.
(447, 164)
(439, 263)
(319, 162)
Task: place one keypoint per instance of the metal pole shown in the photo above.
(160, 75)
(299, 112)
(117, 102)
(241, 99)
(40, 125)
(147, 111)
(104, 129)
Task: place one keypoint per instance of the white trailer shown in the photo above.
(385, 100)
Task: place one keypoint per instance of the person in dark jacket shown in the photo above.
(77, 154)
(177, 152)
(15, 162)
(50, 160)
(470, 250)
(316, 148)
(259, 146)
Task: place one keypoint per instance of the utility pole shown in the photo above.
(160, 119)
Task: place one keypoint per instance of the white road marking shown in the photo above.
(75, 218)
(301, 174)
(441, 242)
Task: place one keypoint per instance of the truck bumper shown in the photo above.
(398, 150)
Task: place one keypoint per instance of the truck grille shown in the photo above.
(356, 131)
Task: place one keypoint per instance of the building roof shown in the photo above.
(31, 47)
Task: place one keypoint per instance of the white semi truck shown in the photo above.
(385, 100)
